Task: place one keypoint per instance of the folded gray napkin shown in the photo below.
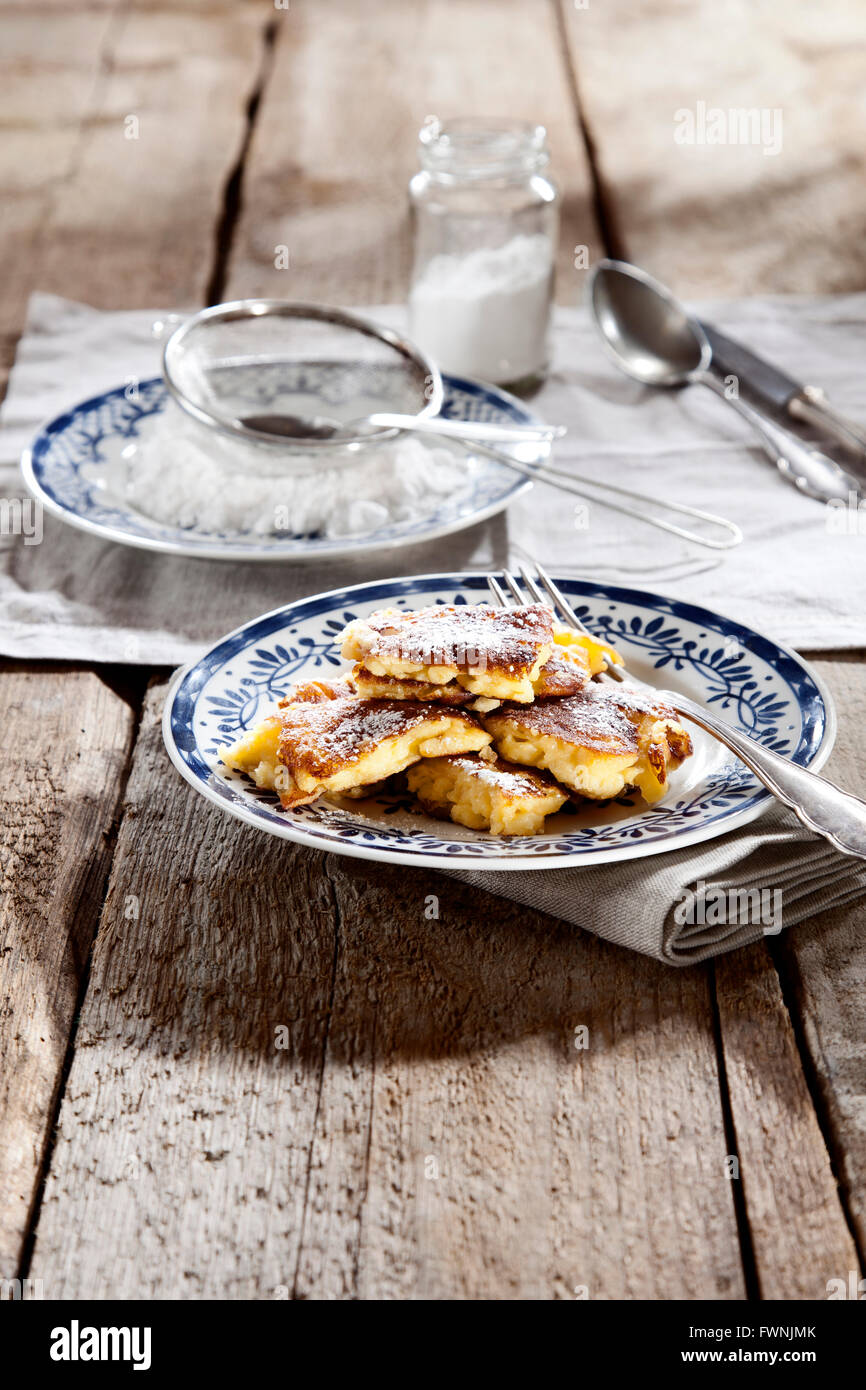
(698, 902)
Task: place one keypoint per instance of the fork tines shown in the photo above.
(541, 590)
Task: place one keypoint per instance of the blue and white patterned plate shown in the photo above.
(758, 686)
(76, 468)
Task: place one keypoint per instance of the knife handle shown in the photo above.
(812, 407)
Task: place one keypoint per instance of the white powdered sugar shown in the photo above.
(485, 314)
(184, 476)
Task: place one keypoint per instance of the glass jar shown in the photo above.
(485, 232)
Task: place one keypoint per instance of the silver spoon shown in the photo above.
(321, 427)
(654, 338)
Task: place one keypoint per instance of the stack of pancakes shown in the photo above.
(494, 712)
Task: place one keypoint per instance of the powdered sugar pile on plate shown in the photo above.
(185, 477)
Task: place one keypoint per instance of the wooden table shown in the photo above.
(428, 1130)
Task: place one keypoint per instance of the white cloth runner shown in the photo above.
(795, 576)
(80, 599)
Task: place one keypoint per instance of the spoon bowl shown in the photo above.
(645, 329)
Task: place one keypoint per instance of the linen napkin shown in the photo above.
(698, 902)
(77, 598)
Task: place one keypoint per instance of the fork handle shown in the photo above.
(821, 806)
(467, 429)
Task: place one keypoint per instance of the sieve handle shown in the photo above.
(466, 429)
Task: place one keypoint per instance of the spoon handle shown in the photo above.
(800, 463)
(466, 429)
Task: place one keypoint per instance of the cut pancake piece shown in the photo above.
(597, 742)
(311, 747)
(256, 752)
(372, 687)
(492, 652)
(574, 660)
(485, 795)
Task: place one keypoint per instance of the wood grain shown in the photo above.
(88, 212)
(116, 222)
(487, 1156)
(66, 739)
(429, 1130)
(804, 1175)
(824, 965)
(335, 142)
(728, 218)
(48, 74)
(797, 1223)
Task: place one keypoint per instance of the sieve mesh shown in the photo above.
(257, 357)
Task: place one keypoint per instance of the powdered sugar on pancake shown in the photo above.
(603, 717)
(465, 636)
(506, 777)
(322, 738)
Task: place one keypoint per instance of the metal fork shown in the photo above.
(821, 806)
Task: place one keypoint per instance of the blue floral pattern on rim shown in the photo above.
(66, 450)
(762, 688)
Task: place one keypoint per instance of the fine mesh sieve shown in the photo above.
(243, 361)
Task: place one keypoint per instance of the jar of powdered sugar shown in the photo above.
(485, 230)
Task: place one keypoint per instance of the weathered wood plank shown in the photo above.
(65, 738)
(48, 70)
(183, 1126)
(728, 218)
(226, 1167)
(797, 1223)
(334, 145)
(798, 1217)
(93, 215)
(492, 1158)
(824, 964)
(120, 128)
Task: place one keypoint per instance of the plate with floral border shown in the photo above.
(757, 685)
(77, 466)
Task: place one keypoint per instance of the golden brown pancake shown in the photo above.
(485, 795)
(492, 652)
(597, 742)
(313, 692)
(310, 747)
(575, 659)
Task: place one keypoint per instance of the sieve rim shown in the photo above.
(236, 309)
